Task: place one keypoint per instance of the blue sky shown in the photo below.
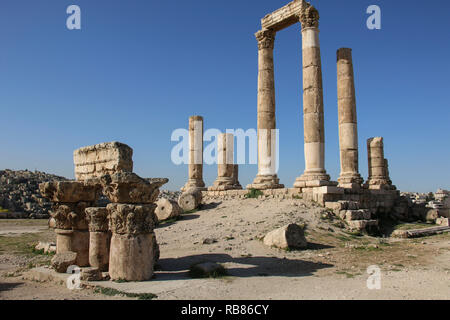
(138, 69)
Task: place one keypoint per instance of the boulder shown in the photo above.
(46, 247)
(288, 237)
(61, 261)
(167, 209)
(91, 274)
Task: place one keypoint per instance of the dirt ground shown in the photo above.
(230, 232)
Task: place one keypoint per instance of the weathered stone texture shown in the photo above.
(190, 200)
(287, 237)
(101, 159)
(127, 187)
(167, 209)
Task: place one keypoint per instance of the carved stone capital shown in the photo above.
(131, 219)
(69, 216)
(309, 16)
(127, 187)
(97, 219)
(266, 39)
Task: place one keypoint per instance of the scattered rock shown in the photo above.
(288, 237)
(20, 195)
(61, 261)
(46, 247)
(209, 241)
(91, 274)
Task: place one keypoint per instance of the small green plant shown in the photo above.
(253, 194)
(197, 273)
(173, 220)
(120, 281)
(296, 196)
(190, 211)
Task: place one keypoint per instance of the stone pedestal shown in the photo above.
(225, 163)
(99, 238)
(267, 167)
(133, 250)
(313, 117)
(348, 133)
(195, 154)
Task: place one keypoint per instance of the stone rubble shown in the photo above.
(20, 196)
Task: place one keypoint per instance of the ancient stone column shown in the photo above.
(236, 183)
(70, 199)
(313, 118)
(348, 133)
(225, 163)
(99, 238)
(195, 154)
(378, 178)
(267, 177)
(133, 249)
(133, 244)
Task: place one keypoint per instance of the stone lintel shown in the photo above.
(283, 17)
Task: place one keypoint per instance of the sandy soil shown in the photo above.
(333, 267)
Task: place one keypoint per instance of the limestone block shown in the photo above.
(91, 274)
(445, 222)
(290, 236)
(61, 261)
(68, 191)
(362, 224)
(167, 209)
(361, 214)
(101, 159)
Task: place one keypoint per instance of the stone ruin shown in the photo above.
(359, 203)
(118, 238)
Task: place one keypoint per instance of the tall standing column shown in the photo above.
(195, 154)
(267, 177)
(313, 118)
(348, 132)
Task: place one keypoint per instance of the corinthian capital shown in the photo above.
(131, 219)
(97, 219)
(309, 16)
(266, 39)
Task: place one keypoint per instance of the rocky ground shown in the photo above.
(229, 233)
(20, 196)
